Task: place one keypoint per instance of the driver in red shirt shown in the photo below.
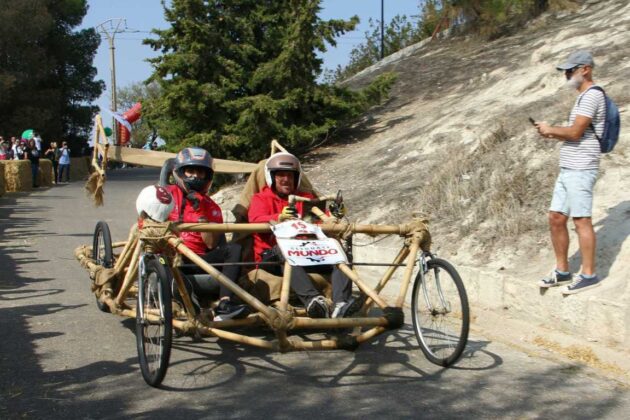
(283, 173)
(193, 176)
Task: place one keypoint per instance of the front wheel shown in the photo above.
(102, 253)
(440, 312)
(154, 321)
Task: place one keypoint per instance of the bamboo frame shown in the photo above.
(281, 319)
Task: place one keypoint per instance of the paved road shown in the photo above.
(61, 357)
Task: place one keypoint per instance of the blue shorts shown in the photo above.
(573, 193)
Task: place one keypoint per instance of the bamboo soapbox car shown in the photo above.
(139, 277)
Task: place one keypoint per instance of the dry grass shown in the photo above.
(490, 191)
(581, 354)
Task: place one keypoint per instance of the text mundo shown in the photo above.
(312, 252)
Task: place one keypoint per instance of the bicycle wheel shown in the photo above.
(440, 312)
(102, 253)
(154, 322)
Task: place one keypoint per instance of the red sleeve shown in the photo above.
(211, 211)
(260, 210)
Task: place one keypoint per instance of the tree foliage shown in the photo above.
(127, 97)
(399, 33)
(487, 18)
(46, 73)
(236, 74)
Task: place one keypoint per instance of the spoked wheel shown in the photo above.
(102, 253)
(154, 321)
(440, 312)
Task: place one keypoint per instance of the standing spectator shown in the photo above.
(31, 153)
(38, 142)
(579, 163)
(64, 162)
(52, 155)
(4, 150)
(17, 149)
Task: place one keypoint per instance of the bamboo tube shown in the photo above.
(123, 260)
(253, 319)
(314, 345)
(305, 322)
(119, 244)
(369, 334)
(131, 274)
(411, 262)
(245, 296)
(264, 227)
(239, 338)
(183, 292)
(277, 147)
(156, 159)
(364, 288)
(404, 251)
(286, 287)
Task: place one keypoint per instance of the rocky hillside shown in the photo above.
(454, 142)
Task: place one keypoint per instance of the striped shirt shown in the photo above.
(584, 153)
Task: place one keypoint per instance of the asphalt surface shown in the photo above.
(60, 357)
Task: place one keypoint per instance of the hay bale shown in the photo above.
(2, 187)
(17, 175)
(45, 174)
(79, 168)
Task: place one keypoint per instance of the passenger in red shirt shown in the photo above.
(283, 173)
(193, 176)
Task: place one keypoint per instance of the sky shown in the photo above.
(143, 15)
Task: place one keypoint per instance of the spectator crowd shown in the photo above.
(31, 149)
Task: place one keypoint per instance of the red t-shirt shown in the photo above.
(264, 207)
(208, 211)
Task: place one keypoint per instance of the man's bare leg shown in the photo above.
(587, 240)
(560, 239)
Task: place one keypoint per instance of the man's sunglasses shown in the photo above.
(568, 73)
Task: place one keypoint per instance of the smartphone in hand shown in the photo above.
(531, 120)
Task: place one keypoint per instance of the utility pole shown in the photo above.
(382, 29)
(110, 28)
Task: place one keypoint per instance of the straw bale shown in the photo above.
(79, 168)
(2, 186)
(17, 175)
(45, 174)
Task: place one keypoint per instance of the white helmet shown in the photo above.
(283, 162)
(156, 202)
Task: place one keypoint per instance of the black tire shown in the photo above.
(440, 312)
(102, 253)
(154, 336)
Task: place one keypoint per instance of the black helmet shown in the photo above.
(193, 156)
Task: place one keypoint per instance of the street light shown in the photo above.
(382, 29)
(110, 28)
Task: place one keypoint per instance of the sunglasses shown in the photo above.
(568, 73)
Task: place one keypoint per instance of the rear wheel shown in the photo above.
(440, 312)
(102, 253)
(154, 321)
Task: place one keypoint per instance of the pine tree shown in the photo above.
(236, 74)
(46, 73)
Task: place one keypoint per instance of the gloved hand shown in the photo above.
(337, 209)
(288, 213)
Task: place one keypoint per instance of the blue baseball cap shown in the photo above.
(577, 58)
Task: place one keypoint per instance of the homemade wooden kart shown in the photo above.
(146, 280)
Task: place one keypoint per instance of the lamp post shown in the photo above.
(382, 29)
(110, 28)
